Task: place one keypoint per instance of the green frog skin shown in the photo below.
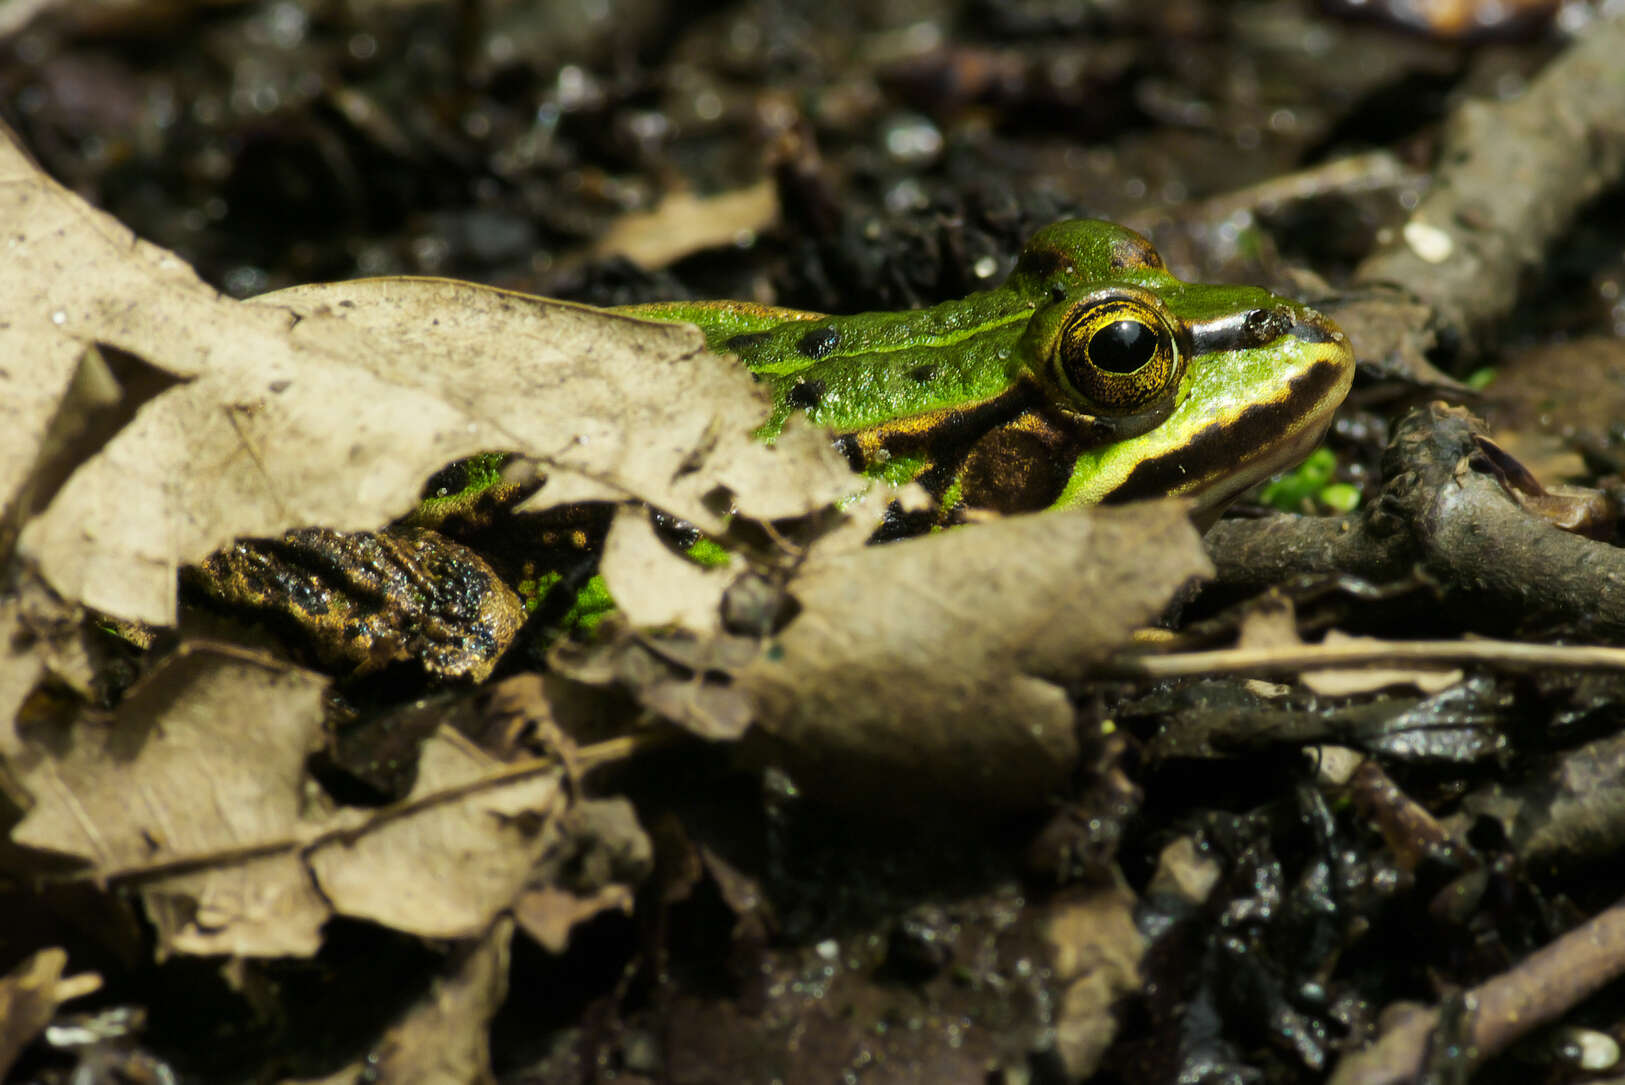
(1090, 375)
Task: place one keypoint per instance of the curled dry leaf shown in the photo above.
(962, 645)
(612, 408)
(200, 463)
(329, 406)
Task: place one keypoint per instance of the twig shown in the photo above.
(1507, 655)
(1444, 514)
(1541, 988)
(616, 749)
(1511, 176)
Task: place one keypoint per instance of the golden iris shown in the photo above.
(1118, 354)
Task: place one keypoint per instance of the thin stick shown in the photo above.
(1508, 655)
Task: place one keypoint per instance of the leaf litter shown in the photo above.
(929, 672)
(330, 405)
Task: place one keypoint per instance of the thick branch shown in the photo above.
(1445, 514)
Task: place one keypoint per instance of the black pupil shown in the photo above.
(1122, 347)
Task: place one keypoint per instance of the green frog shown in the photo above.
(1090, 375)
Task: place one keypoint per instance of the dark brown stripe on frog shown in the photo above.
(745, 342)
(1225, 446)
(954, 425)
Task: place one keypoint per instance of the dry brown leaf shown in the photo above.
(445, 1039)
(549, 913)
(1096, 951)
(1185, 870)
(680, 677)
(684, 223)
(23, 668)
(204, 758)
(1271, 622)
(198, 785)
(937, 667)
(612, 408)
(444, 869)
(1271, 625)
(330, 405)
(605, 855)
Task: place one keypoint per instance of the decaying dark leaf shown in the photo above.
(445, 1036)
(597, 866)
(357, 601)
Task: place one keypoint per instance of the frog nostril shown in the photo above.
(1261, 326)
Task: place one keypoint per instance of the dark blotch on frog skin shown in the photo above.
(745, 342)
(1039, 263)
(805, 394)
(923, 374)
(1135, 252)
(847, 445)
(818, 342)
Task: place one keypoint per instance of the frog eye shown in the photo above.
(1118, 354)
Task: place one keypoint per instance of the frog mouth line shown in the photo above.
(1254, 444)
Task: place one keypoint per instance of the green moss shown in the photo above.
(1340, 497)
(592, 605)
(1289, 492)
(535, 589)
(458, 489)
(707, 552)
